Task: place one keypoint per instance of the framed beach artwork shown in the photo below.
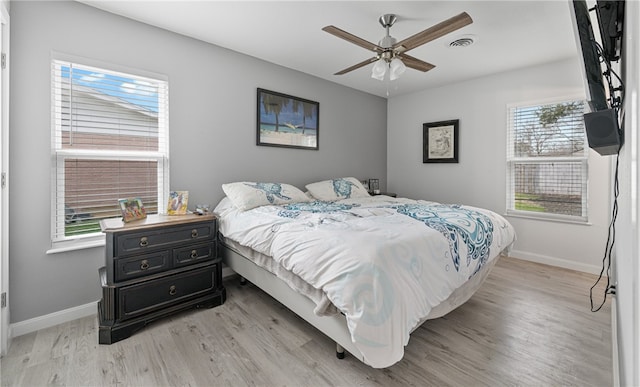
(286, 121)
(440, 142)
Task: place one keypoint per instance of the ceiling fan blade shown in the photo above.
(357, 66)
(416, 63)
(352, 38)
(433, 32)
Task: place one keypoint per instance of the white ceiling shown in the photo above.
(509, 34)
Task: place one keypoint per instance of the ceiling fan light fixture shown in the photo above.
(387, 20)
(391, 54)
(396, 68)
(378, 70)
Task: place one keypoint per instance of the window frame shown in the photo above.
(61, 243)
(512, 161)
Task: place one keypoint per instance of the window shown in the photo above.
(109, 141)
(547, 161)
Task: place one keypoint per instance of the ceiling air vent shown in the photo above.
(464, 41)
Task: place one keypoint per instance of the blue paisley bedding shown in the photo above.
(383, 262)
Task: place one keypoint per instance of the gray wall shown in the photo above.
(212, 133)
(479, 179)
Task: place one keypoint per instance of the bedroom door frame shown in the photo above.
(5, 335)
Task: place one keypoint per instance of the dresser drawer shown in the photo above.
(151, 295)
(137, 242)
(141, 265)
(195, 253)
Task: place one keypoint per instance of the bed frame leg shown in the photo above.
(243, 281)
(339, 351)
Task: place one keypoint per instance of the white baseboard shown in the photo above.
(52, 319)
(553, 261)
(227, 272)
(63, 316)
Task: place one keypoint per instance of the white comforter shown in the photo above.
(383, 262)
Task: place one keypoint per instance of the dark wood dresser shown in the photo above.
(155, 267)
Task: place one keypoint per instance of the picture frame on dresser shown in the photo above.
(177, 202)
(132, 209)
(440, 141)
(287, 121)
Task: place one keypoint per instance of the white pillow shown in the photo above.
(247, 195)
(336, 189)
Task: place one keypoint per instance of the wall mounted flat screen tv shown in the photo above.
(611, 22)
(593, 73)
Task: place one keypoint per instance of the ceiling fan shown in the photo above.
(391, 53)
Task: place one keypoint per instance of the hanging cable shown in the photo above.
(611, 238)
(615, 103)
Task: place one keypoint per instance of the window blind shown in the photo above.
(547, 161)
(109, 141)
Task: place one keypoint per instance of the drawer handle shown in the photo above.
(144, 242)
(144, 265)
(194, 254)
(172, 290)
(194, 233)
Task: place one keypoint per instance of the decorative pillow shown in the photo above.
(247, 195)
(336, 189)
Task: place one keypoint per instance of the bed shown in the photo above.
(365, 270)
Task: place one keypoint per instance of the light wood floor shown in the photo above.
(529, 325)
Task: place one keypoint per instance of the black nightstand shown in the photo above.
(155, 267)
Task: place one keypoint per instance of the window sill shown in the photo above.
(558, 219)
(62, 247)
